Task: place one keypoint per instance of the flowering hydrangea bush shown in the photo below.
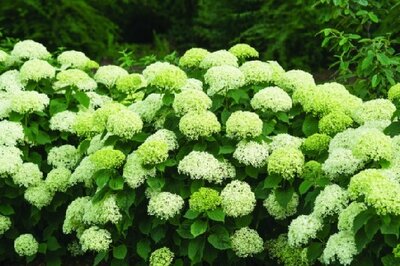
(221, 159)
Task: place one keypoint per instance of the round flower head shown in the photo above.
(237, 199)
(347, 215)
(102, 212)
(243, 51)
(5, 106)
(134, 173)
(95, 239)
(153, 152)
(161, 257)
(219, 58)
(205, 199)
(75, 78)
(277, 71)
(191, 100)
(3, 57)
(222, 79)
(295, 79)
(346, 139)
(285, 254)
(195, 125)
(246, 242)
(124, 124)
(165, 135)
(316, 144)
(10, 160)
(202, 165)
(284, 140)
(271, 99)
(251, 153)
(377, 189)
(107, 158)
(39, 195)
(63, 156)
(331, 200)
(165, 76)
(29, 49)
(84, 124)
(286, 162)
(28, 175)
(312, 171)
(165, 205)
(334, 122)
(108, 75)
(26, 245)
(148, 108)
(11, 133)
(63, 121)
(193, 84)
(378, 109)
(373, 145)
(243, 124)
(10, 81)
(84, 172)
(279, 212)
(24, 102)
(97, 100)
(130, 83)
(73, 59)
(341, 247)
(5, 224)
(36, 70)
(341, 162)
(302, 229)
(192, 57)
(58, 179)
(101, 115)
(394, 93)
(74, 214)
(257, 72)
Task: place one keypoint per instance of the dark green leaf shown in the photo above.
(251, 171)
(100, 257)
(143, 248)
(272, 181)
(101, 177)
(268, 127)
(372, 227)
(196, 249)
(220, 239)
(314, 250)
(6, 209)
(52, 244)
(57, 105)
(116, 183)
(198, 228)
(361, 219)
(120, 251)
(226, 149)
(190, 214)
(310, 125)
(216, 215)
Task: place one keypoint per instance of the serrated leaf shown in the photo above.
(220, 240)
(198, 228)
(216, 215)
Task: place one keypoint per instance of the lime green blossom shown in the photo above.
(287, 162)
(205, 199)
(74, 78)
(331, 200)
(246, 242)
(74, 214)
(316, 144)
(12, 133)
(39, 195)
(84, 124)
(161, 257)
(124, 124)
(237, 199)
(284, 140)
(165, 76)
(276, 210)
(165, 135)
(10, 81)
(102, 212)
(24, 102)
(102, 114)
(203, 165)
(373, 145)
(252, 153)
(5, 224)
(277, 71)
(243, 51)
(95, 239)
(63, 156)
(347, 215)
(295, 79)
(58, 179)
(219, 58)
(302, 229)
(341, 162)
(73, 59)
(165, 205)
(243, 124)
(97, 100)
(191, 100)
(134, 173)
(257, 72)
(109, 74)
(130, 83)
(334, 122)
(341, 247)
(63, 121)
(28, 175)
(148, 108)
(394, 93)
(10, 160)
(378, 109)
(312, 171)
(222, 79)
(26, 245)
(192, 84)
(153, 152)
(193, 57)
(271, 99)
(3, 57)
(36, 70)
(29, 49)
(107, 158)
(285, 254)
(195, 125)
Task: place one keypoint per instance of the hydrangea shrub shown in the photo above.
(220, 159)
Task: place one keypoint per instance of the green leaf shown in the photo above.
(238, 94)
(143, 248)
(224, 116)
(220, 239)
(393, 129)
(198, 228)
(391, 227)
(57, 105)
(42, 248)
(310, 125)
(191, 215)
(216, 215)
(375, 80)
(284, 196)
(272, 181)
(372, 227)
(42, 138)
(361, 240)
(251, 171)
(226, 149)
(282, 116)
(305, 186)
(6, 209)
(101, 177)
(82, 98)
(83, 146)
(116, 183)
(361, 219)
(383, 59)
(120, 252)
(52, 244)
(196, 249)
(168, 99)
(373, 17)
(156, 182)
(314, 250)
(100, 257)
(268, 127)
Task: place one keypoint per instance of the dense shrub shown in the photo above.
(222, 159)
